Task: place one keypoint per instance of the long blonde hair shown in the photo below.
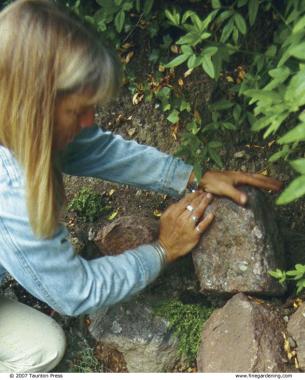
(45, 52)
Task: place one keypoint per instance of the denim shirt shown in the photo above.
(49, 268)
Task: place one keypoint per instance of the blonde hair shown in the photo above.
(45, 52)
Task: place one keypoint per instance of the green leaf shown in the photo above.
(300, 285)
(227, 30)
(119, 21)
(296, 134)
(252, 10)
(118, 2)
(298, 165)
(221, 105)
(240, 23)
(299, 26)
(174, 17)
(215, 144)
(298, 51)
(177, 61)
(193, 61)
(215, 157)
(186, 49)
(209, 51)
(229, 126)
(278, 274)
(148, 6)
(173, 117)
(185, 106)
(296, 189)
(208, 66)
(280, 154)
(216, 4)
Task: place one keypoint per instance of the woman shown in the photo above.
(52, 74)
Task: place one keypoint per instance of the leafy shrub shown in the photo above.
(297, 275)
(186, 321)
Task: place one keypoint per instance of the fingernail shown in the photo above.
(243, 199)
(209, 195)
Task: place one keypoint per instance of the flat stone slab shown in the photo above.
(244, 336)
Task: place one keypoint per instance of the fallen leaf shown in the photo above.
(180, 82)
(112, 215)
(157, 213)
(111, 192)
(128, 57)
(137, 98)
(188, 73)
(263, 172)
(131, 131)
(175, 49)
(161, 68)
(197, 117)
(229, 79)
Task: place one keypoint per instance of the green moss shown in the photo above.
(88, 204)
(186, 321)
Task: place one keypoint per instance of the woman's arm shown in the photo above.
(96, 153)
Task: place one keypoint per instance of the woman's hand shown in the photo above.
(182, 224)
(224, 184)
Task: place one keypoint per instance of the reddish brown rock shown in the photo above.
(127, 232)
(244, 336)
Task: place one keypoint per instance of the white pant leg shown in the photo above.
(30, 341)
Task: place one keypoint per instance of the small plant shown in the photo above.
(86, 362)
(185, 320)
(88, 204)
(298, 275)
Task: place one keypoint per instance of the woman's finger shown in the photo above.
(201, 207)
(257, 180)
(187, 201)
(236, 195)
(204, 224)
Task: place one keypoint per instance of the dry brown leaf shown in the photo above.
(188, 73)
(180, 82)
(175, 49)
(137, 98)
(128, 57)
(157, 213)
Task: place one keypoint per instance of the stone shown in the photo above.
(142, 338)
(239, 248)
(243, 336)
(296, 329)
(126, 232)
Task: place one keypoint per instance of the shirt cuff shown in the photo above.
(177, 177)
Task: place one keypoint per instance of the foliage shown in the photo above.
(185, 320)
(297, 275)
(254, 47)
(85, 361)
(88, 204)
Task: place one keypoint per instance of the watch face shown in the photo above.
(192, 187)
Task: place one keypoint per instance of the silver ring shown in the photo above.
(195, 218)
(197, 229)
(190, 208)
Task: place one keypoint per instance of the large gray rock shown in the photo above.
(244, 336)
(138, 334)
(296, 329)
(239, 248)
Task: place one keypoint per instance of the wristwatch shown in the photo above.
(193, 186)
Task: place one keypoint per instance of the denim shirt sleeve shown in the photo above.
(101, 154)
(49, 268)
